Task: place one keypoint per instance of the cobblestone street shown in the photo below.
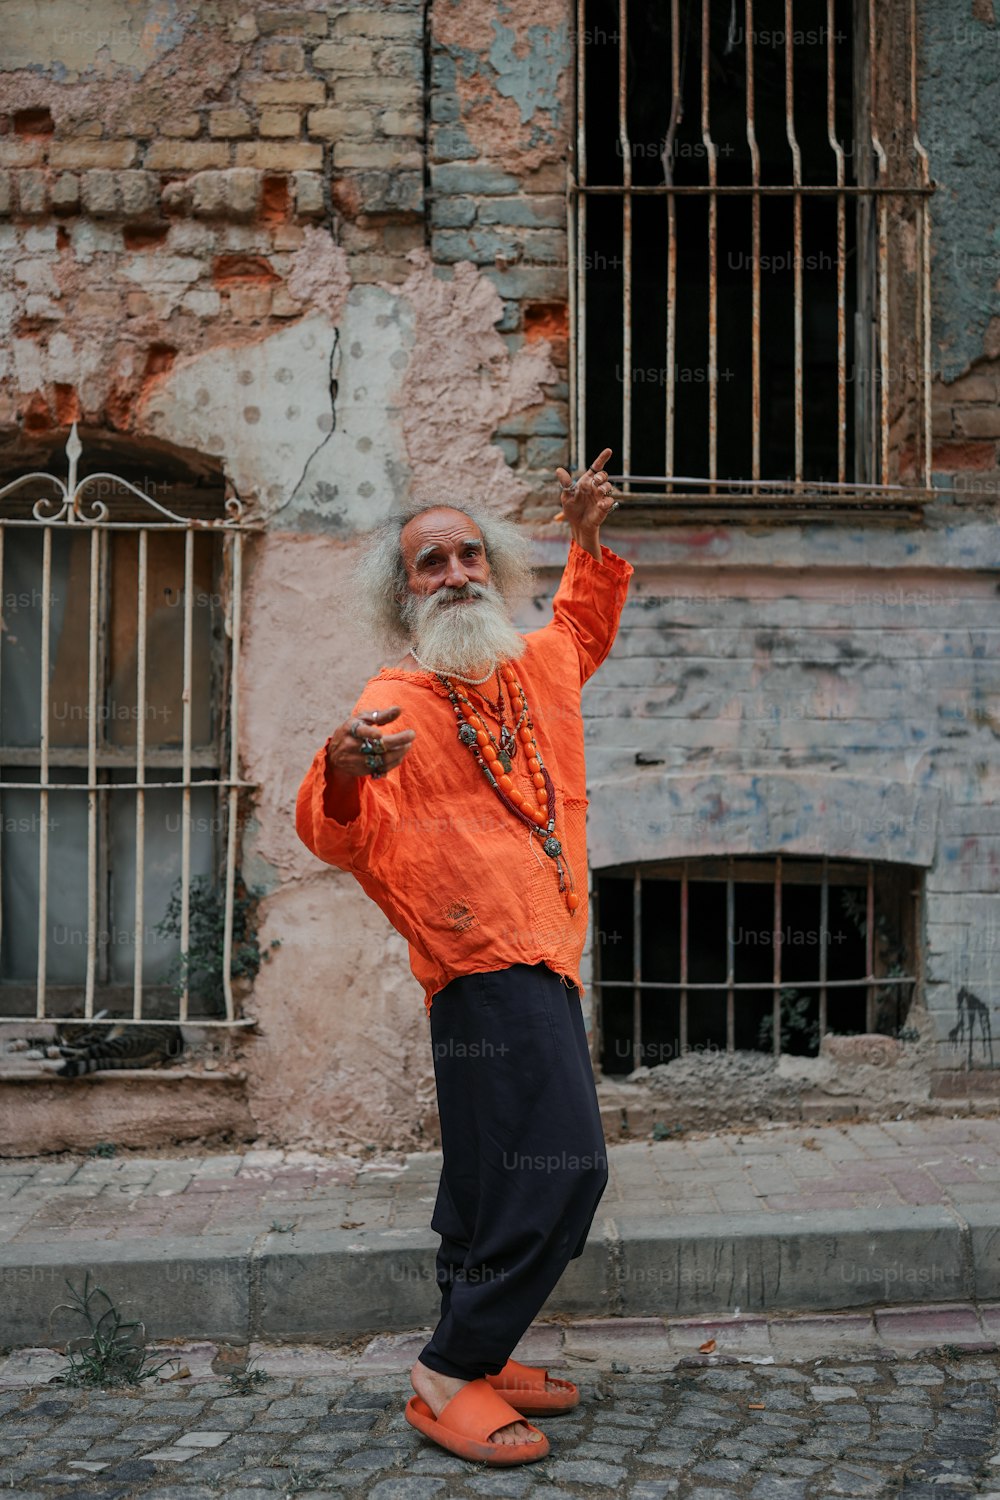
(916, 1429)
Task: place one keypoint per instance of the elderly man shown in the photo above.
(466, 824)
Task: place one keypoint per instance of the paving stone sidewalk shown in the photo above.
(271, 1245)
(785, 1169)
(830, 1428)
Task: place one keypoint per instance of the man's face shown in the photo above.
(456, 619)
(443, 549)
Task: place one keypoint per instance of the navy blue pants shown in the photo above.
(525, 1162)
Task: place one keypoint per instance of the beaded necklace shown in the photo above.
(508, 737)
(495, 764)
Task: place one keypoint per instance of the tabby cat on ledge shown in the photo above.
(92, 1049)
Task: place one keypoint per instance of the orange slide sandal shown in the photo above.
(524, 1387)
(466, 1423)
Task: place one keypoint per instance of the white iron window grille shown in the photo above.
(750, 257)
(749, 953)
(119, 776)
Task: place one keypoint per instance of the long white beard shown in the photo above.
(461, 639)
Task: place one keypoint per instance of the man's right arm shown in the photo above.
(344, 813)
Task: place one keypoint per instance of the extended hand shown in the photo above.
(346, 752)
(587, 503)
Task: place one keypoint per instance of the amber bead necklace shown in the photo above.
(495, 764)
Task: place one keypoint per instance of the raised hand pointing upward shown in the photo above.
(587, 503)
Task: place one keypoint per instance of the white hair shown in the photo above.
(381, 572)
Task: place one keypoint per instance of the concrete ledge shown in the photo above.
(170, 1285)
(137, 1107)
(331, 1285)
(822, 1262)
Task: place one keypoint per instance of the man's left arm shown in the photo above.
(591, 594)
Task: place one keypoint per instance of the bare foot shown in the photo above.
(437, 1390)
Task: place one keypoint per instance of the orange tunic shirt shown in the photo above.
(452, 868)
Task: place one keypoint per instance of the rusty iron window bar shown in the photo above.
(780, 872)
(806, 150)
(73, 512)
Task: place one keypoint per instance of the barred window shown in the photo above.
(118, 780)
(751, 954)
(750, 284)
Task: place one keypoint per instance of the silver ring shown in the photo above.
(614, 505)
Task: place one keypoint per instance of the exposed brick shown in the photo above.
(444, 108)
(65, 193)
(245, 270)
(249, 304)
(280, 156)
(32, 193)
(283, 57)
(280, 122)
(376, 154)
(345, 57)
(942, 420)
(979, 421)
(475, 179)
(78, 129)
(331, 124)
(139, 192)
(545, 452)
(16, 151)
(284, 305)
(381, 192)
(292, 22)
(89, 153)
(378, 23)
(275, 200)
(400, 62)
(539, 211)
(99, 195)
(369, 89)
(203, 303)
(229, 123)
(395, 122)
(6, 193)
(451, 143)
(546, 320)
(975, 387)
(229, 194)
(453, 213)
(308, 188)
(184, 127)
(186, 156)
(296, 91)
(972, 455)
(529, 283)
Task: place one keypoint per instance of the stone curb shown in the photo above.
(338, 1285)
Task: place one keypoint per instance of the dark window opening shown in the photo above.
(691, 956)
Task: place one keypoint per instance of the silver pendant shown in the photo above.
(508, 743)
(467, 734)
(552, 847)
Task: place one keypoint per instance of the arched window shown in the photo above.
(118, 720)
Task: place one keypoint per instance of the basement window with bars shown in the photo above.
(118, 781)
(750, 954)
(750, 257)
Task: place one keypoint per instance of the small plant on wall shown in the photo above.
(203, 965)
